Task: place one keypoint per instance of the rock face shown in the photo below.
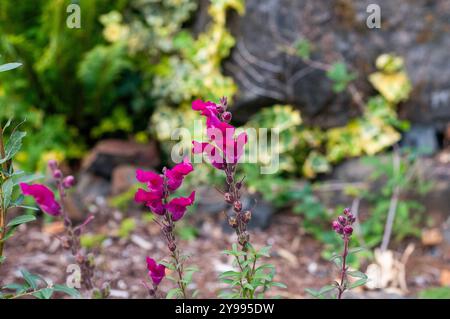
(417, 30)
(108, 154)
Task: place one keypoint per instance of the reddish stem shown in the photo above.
(344, 268)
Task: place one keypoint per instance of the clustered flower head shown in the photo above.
(343, 224)
(160, 186)
(223, 147)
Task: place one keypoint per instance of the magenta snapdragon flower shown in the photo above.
(160, 187)
(43, 196)
(177, 206)
(223, 147)
(155, 271)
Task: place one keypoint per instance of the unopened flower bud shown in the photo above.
(224, 101)
(351, 218)
(67, 222)
(226, 116)
(348, 230)
(229, 198)
(52, 164)
(220, 109)
(233, 222)
(239, 185)
(247, 216)
(57, 173)
(172, 246)
(337, 227)
(342, 220)
(77, 231)
(237, 206)
(68, 182)
(346, 211)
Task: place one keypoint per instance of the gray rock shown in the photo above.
(262, 212)
(421, 138)
(108, 154)
(418, 31)
(212, 202)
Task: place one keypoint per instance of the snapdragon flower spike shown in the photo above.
(343, 224)
(159, 187)
(155, 271)
(223, 148)
(44, 197)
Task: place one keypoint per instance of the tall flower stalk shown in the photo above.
(46, 200)
(343, 226)
(223, 151)
(169, 211)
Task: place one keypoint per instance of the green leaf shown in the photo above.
(7, 124)
(13, 146)
(31, 279)
(2, 259)
(9, 233)
(67, 290)
(303, 49)
(358, 283)
(7, 189)
(355, 250)
(9, 66)
(357, 274)
(21, 220)
(230, 273)
(321, 291)
(265, 251)
(18, 288)
(173, 293)
(339, 74)
(45, 293)
(278, 284)
(248, 286)
(28, 178)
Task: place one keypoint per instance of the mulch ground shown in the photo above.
(121, 261)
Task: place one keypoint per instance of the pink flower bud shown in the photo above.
(346, 211)
(226, 116)
(52, 164)
(348, 230)
(69, 181)
(220, 109)
(342, 220)
(337, 227)
(229, 198)
(237, 206)
(57, 173)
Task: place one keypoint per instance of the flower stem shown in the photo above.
(175, 253)
(75, 240)
(2, 209)
(342, 287)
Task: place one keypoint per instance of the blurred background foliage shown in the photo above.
(133, 70)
